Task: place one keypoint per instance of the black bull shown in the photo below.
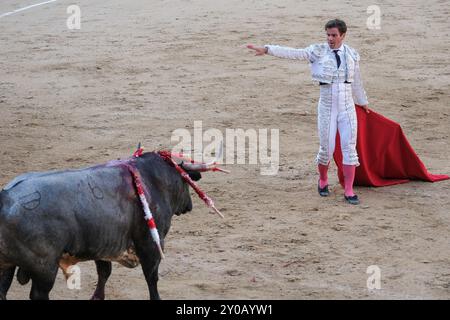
(86, 214)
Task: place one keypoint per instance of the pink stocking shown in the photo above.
(349, 177)
(323, 181)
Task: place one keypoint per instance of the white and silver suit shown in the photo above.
(339, 89)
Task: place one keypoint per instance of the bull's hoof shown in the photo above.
(96, 296)
(22, 277)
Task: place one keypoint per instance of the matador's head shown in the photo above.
(336, 30)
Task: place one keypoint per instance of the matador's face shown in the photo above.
(334, 38)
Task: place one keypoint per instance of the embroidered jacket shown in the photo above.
(324, 66)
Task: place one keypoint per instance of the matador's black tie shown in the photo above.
(338, 59)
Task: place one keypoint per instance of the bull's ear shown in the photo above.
(194, 175)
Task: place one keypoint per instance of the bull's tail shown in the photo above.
(22, 276)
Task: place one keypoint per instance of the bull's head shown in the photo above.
(190, 172)
(185, 201)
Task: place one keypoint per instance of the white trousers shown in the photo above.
(336, 111)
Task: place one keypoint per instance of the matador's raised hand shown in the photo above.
(260, 51)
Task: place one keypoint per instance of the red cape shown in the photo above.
(385, 155)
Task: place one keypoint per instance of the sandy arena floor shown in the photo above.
(137, 70)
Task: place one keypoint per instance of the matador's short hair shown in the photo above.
(336, 23)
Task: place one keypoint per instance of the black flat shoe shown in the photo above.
(352, 199)
(324, 192)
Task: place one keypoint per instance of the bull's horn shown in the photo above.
(202, 167)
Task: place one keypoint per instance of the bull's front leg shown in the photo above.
(103, 273)
(150, 258)
(6, 277)
(153, 285)
(43, 279)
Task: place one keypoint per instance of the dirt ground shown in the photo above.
(137, 70)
